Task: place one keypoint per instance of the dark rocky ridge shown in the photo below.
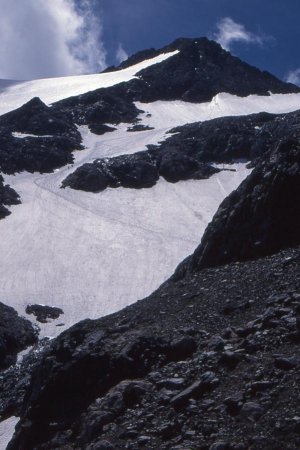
(197, 73)
(34, 117)
(56, 138)
(8, 197)
(15, 380)
(189, 153)
(44, 313)
(212, 358)
(203, 69)
(16, 334)
(261, 217)
(139, 170)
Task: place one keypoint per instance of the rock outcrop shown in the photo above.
(48, 141)
(8, 197)
(16, 334)
(189, 152)
(261, 217)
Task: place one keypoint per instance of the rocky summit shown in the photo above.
(210, 360)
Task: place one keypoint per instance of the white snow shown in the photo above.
(92, 254)
(51, 90)
(175, 113)
(18, 135)
(7, 429)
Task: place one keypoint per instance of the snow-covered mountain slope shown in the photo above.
(174, 113)
(51, 90)
(94, 254)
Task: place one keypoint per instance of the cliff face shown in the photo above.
(262, 216)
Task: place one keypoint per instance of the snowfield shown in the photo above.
(175, 113)
(51, 90)
(7, 429)
(92, 254)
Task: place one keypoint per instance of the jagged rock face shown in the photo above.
(15, 380)
(110, 105)
(56, 138)
(8, 197)
(139, 170)
(36, 118)
(203, 69)
(189, 153)
(16, 334)
(261, 217)
(85, 363)
(198, 72)
(44, 313)
(223, 140)
(101, 129)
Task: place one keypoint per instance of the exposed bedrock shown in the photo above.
(52, 138)
(189, 152)
(261, 217)
(8, 197)
(16, 334)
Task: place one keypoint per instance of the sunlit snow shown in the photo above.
(175, 113)
(7, 428)
(18, 135)
(92, 254)
(51, 90)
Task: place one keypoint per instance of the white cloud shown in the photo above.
(46, 38)
(294, 77)
(230, 31)
(121, 54)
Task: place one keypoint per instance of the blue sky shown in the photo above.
(66, 37)
(139, 24)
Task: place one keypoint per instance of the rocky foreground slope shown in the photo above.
(210, 362)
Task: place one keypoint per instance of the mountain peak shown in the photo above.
(200, 70)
